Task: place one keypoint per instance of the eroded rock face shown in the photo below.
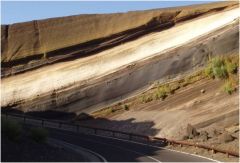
(33, 44)
(81, 84)
(80, 97)
(191, 131)
(225, 138)
(203, 135)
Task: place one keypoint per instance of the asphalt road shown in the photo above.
(115, 150)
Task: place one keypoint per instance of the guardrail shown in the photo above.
(82, 128)
(114, 133)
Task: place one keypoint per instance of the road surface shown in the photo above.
(113, 149)
(116, 150)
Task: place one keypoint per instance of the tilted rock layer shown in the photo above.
(32, 44)
(113, 65)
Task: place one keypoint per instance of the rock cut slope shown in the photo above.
(103, 76)
(33, 44)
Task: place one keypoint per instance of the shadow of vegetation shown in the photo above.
(129, 125)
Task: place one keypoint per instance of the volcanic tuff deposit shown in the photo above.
(80, 63)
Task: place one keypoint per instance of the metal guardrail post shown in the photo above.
(113, 134)
(77, 128)
(24, 119)
(95, 131)
(42, 122)
(130, 136)
(60, 125)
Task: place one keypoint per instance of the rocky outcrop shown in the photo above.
(81, 98)
(191, 131)
(225, 138)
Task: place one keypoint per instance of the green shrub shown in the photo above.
(209, 72)
(126, 107)
(216, 68)
(112, 109)
(162, 92)
(146, 99)
(149, 98)
(11, 128)
(156, 96)
(142, 98)
(220, 72)
(231, 67)
(229, 87)
(39, 134)
(217, 61)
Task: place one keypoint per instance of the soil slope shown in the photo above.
(187, 105)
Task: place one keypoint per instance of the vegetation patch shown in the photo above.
(11, 128)
(219, 67)
(224, 68)
(161, 92)
(228, 87)
(147, 98)
(126, 107)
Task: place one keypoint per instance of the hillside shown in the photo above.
(30, 45)
(108, 75)
(171, 73)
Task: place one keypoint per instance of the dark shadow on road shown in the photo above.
(113, 149)
(129, 125)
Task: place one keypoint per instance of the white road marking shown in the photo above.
(134, 142)
(156, 147)
(138, 153)
(74, 147)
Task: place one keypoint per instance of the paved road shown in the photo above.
(115, 150)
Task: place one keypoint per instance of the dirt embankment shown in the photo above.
(213, 113)
(186, 106)
(33, 44)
